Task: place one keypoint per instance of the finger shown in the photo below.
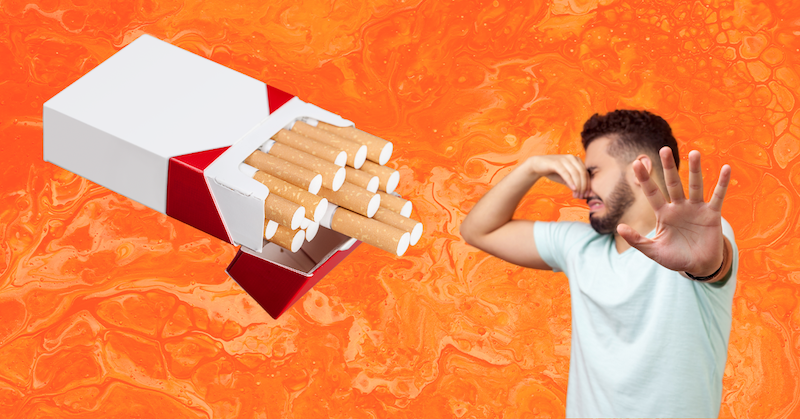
(650, 189)
(566, 175)
(573, 178)
(636, 240)
(587, 183)
(695, 177)
(583, 178)
(719, 191)
(671, 176)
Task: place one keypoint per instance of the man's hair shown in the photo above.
(632, 133)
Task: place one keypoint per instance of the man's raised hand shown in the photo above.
(566, 169)
(688, 232)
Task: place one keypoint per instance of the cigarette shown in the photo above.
(389, 178)
(332, 175)
(394, 219)
(284, 170)
(362, 179)
(310, 146)
(373, 232)
(289, 239)
(395, 203)
(354, 198)
(311, 228)
(270, 228)
(378, 149)
(283, 211)
(356, 152)
(313, 204)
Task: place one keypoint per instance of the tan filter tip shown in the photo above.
(370, 231)
(289, 239)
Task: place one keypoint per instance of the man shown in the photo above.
(651, 280)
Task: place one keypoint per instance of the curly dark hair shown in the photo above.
(634, 132)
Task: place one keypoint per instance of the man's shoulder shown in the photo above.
(571, 227)
(567, 232)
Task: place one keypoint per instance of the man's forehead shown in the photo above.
(596, 151)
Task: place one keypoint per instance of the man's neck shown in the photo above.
(643, 225)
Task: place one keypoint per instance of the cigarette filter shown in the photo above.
(394, 219)
(270, 228)
(311, 229)
(389, 177)
(395, 203)
(356, 153)
(311, 146)
(284, 170)
(283, 211)
(332, 175)
(373, 232)
(313, 204)
(378, 149)
(362, 179)
(289, 239)
(354, 198)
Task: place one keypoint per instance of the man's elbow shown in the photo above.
(467, 233)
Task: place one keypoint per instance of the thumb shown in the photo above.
(631, 236)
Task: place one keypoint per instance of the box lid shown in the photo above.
(164, 99)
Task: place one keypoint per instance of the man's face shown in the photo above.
(611, 194)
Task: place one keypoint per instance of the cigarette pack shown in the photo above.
(170, 129)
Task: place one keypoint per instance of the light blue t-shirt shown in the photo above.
(646, 341)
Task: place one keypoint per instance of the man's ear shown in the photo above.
(648, 165)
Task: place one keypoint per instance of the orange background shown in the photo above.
(109, 309)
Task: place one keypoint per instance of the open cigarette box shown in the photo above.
(170, 129)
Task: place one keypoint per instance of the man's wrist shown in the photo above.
(727, 260)
(706, 277)
(530, 167)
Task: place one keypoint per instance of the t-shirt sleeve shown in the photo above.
(553, 239)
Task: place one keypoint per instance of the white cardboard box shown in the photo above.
(168, 128)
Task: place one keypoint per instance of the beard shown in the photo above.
(618, 202)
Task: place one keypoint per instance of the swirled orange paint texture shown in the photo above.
(109, 309)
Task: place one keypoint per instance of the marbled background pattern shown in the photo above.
(109, 309)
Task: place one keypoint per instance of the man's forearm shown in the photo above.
(498, 205)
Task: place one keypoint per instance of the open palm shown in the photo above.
(688, 232)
